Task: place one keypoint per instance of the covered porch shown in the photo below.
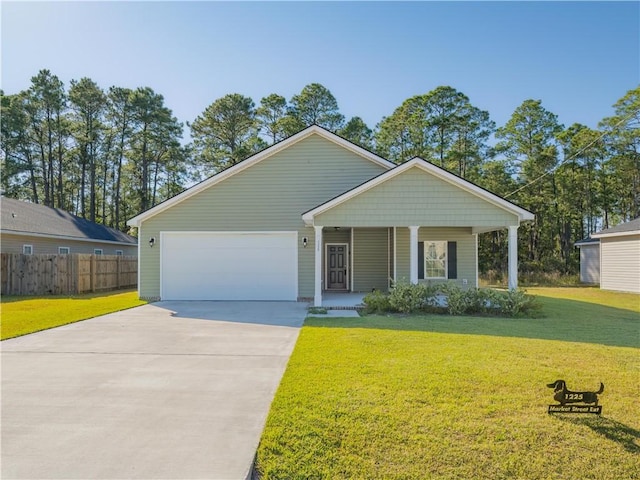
(353, 261)
(415, 223)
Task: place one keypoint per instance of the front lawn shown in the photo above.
(22, 315)
(460, 397)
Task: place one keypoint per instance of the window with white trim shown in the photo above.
(64, 250)
(435, 260)
(119, 252)
(27, 249)
(97, 251)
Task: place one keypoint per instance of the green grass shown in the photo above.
(396, 397)
(23, 315)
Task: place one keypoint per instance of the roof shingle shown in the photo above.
(19, 216)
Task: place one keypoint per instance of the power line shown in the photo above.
(570, 157)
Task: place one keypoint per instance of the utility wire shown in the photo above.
(570, 157)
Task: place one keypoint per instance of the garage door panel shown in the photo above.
(229, 266)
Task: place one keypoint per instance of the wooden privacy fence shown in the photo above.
(45, 274)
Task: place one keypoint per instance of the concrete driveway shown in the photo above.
(168, 390)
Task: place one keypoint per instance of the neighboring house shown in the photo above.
(620, 257)
(317, 213)
(31, 228)
(589, 260)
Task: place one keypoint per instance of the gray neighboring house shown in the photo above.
(620, 257)
(316, 213)
(589, 260)
(30, 228)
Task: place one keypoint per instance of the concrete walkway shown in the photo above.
(171, 390)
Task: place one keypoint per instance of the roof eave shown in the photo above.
(615, 234)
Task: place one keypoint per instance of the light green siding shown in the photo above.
(465, 246)
(271, 195)
(330, 235)
(415, 197)
(370, 252)
(11, 243)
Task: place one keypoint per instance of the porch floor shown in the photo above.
(345, 301)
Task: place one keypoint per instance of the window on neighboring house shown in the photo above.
(64, 250)
(27, 249)
(97, 251)
(435, 260)
(119, 252)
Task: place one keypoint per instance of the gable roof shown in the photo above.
(627, 228)
(256, 158)
(434, 170)
(24, 218)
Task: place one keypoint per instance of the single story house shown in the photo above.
(31, 228)
(620, 257)
(589, 260)
(316, 213)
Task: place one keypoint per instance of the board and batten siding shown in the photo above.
(370, 259)
(415, 197)
(620, 263)
(465, 246)
(271, 195)
(12, 243)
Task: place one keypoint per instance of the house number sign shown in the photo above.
(574, 402)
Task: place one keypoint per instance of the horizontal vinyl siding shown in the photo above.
(331, 235)
(590, 263)
(271, 195)
(370, 259)
(13, 244)
(620, 263)
(416, 197)
(465, 246)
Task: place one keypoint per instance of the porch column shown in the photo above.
(317, 297)
(413, 254)
(513, 257)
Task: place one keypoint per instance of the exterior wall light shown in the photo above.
(305, 240)
(152, 242)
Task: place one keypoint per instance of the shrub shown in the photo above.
(516, 302)
(376, 302)
(405, 297)
(457, 299)
(317, 310)
(408, 297)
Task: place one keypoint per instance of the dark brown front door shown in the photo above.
(336, 266)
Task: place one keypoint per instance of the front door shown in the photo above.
(336, 271)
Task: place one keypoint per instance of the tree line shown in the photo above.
(107, 155)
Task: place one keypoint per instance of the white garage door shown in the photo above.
(229, 265)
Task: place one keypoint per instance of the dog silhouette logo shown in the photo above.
(588, 401)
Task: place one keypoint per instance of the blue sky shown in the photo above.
(577, 57)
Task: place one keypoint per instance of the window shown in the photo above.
(27, 249)
(97, 251)
(64, 250)
(119, 252)
(435, 259)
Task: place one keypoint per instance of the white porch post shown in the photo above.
(317, 297)
(513, 257)
(413, 254)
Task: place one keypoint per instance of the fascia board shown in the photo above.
(615, 234)
(65, 237)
